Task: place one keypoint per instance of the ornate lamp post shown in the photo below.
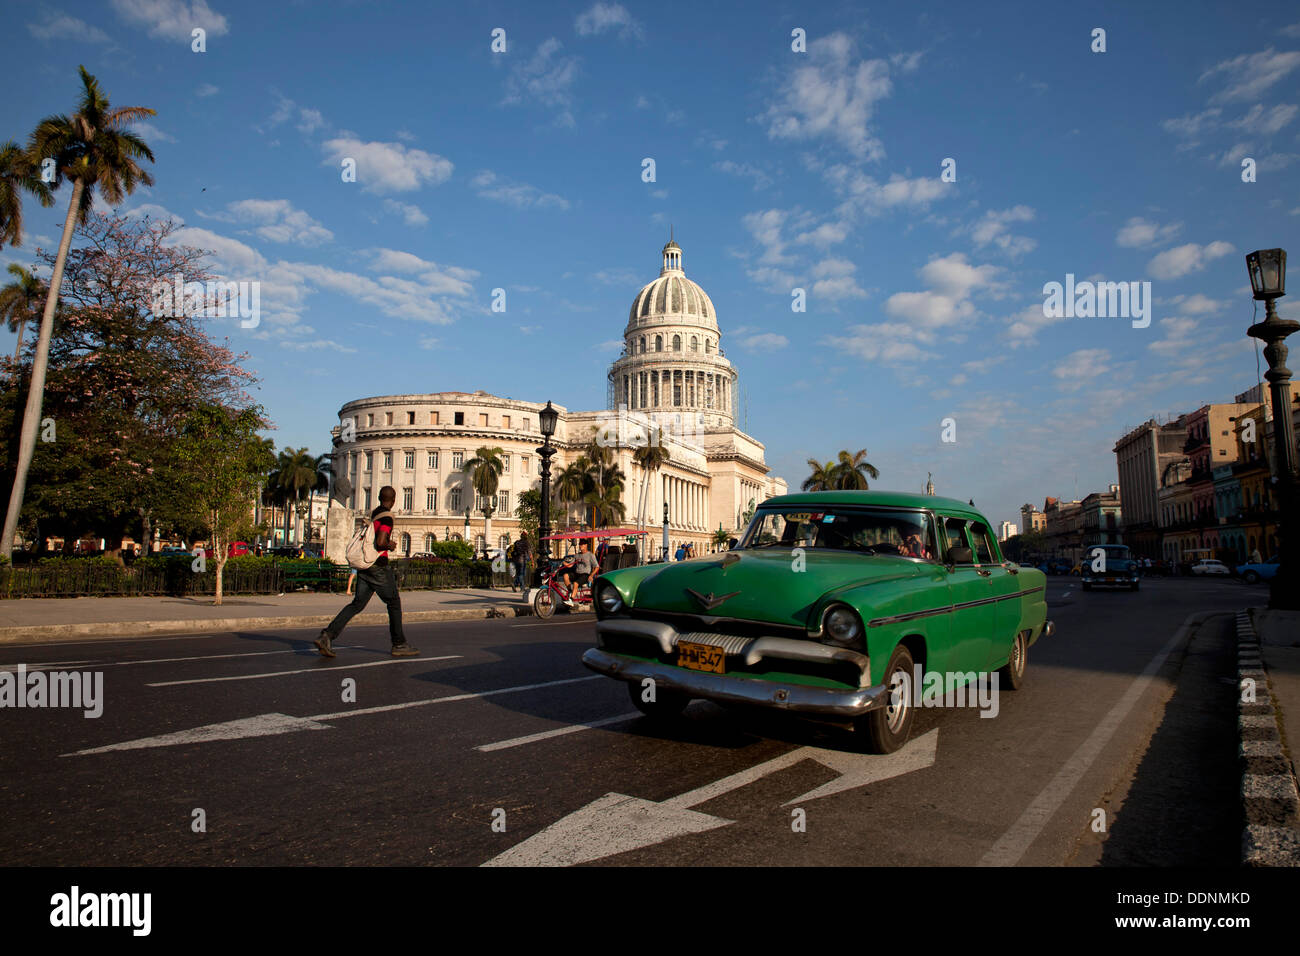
(547, 419)
(665, 531)
(489, 506)
(1267, 269)
(466, 538)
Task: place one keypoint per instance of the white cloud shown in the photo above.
(310, 120)
(547, 78)
(150, 133)
(606, 16)
(761, 342)
(1139, 232)
(1182, 260)
(765, 227)
(833, 96)
(388, 167)
(1082, 367)
(278, 221)
(59, 26)
(315, 345)
(1191, 125)
(835, 280)
(411, 214)
(488, 185)
(887, 343)
(1196, 304)
(1178, 336)
(207, 89)
(1267, 121)
(906, 62)
(172, 19)
(1024, 326)
(929, 309)
(760, 178)
(1250, 74)
(992, 228)
(953, 276)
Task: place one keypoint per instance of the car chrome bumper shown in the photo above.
(728, 688)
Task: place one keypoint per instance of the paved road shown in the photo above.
(487, 726)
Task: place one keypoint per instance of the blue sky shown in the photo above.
(778, 169)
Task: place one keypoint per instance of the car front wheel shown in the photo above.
(1250, 577)
(887, 728)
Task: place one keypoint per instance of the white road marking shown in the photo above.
(556, 624)
(617, 823)
(12, 668)
(304, 670)
(203, 657)
(1013, 844)
(260, 726)
(263, 724)
(557, 732)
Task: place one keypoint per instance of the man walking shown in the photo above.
(523, 554)
(376, 579)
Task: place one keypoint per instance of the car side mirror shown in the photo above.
(960, 556)
(732, 542)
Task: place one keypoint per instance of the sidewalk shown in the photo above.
(50, 619)
(1270, 736)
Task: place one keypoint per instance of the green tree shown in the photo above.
(219, 461)
(19, 301)
(529, 513)
(571, 484)
(298, 473)
(720, 537)
(649, 458)
(92, 149)
(19, 173)
(823, 477)
(851, 471)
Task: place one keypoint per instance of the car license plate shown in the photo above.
(701, 657)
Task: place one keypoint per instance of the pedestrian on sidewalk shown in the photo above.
(376, 579)
(523, 555)
(352, 580)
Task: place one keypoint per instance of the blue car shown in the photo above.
(1263, 571)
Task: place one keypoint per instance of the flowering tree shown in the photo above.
(123, 379)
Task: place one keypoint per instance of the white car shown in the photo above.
(1210, 566)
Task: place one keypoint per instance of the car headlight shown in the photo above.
(841, 626)
(607, 596)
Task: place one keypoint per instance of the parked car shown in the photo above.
(1210, 566)
(1115, 567)
(833, 605)
(1260, 571)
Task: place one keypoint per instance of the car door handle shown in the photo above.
(982, 573)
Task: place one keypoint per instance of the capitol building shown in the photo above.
(672, 385)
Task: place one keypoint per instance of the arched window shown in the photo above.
(695, 344)
(677, 343)
(659, 343)
(708, 346)
(406, 544)
(429, 541)
(643, 344)
(503, 542)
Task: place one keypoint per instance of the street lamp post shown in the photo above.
(467, 510)
(547, 419)
(665, 532)
(1267, 269)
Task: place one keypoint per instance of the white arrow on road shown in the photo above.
(617, 823)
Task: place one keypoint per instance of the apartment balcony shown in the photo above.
(1192, 444)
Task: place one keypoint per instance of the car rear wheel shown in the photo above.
(1250, 577)
(665, 705)
(544, 603)
(886, 729)
(1012, 676)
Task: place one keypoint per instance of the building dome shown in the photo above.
(672, 294)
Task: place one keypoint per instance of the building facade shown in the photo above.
(1142, 457)
(672, 386)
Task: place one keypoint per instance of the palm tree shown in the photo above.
(823, 477)
(484, 471)
(19, 173)
(720, 538)
(571, 482)
(18, 302)
(298, 474)
(650, 458)
(93, 149)
(852, 471)
(605, 505)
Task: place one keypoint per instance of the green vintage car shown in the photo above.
(835, 605)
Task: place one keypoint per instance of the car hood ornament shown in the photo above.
(710, 601)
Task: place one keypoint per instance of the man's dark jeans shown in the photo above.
(376, 579)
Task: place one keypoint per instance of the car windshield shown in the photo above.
(1116, 552)
(908, 534)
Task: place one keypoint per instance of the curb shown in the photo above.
(55, 632)
(1269, 799)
